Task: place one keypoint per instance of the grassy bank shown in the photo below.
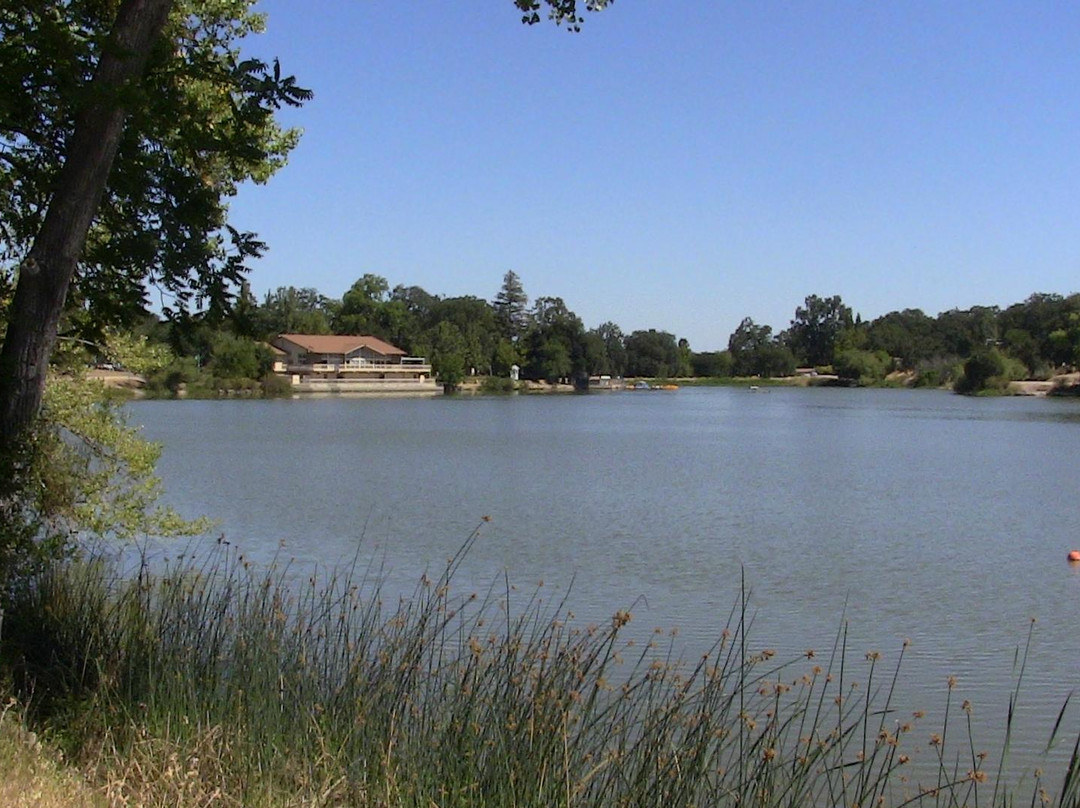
(211, 683)
(35, 776)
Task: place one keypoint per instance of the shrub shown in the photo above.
(989, 370)
(275, 385)
(496, 385)
(941, 371)
(863, 367)
(167, 382)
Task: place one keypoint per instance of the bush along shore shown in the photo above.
(209, 682)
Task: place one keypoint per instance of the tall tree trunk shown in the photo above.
(45, 275)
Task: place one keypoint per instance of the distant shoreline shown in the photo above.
(133, 384)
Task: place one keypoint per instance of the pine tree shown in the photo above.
(510, 306)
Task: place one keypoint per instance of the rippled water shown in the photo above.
(916, 515)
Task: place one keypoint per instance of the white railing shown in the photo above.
(354, 365)
(361, 363)
(367, 382)
(361, 366)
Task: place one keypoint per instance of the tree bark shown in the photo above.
(46, 273)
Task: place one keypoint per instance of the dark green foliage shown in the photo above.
(174, 377)
(275, 386)
(1050, 321)
(554, 346)
(1021, 345)
(183, 154)
(30, 492)
(597, 362)
(961, 333)
(1062, 346)
(237, 357)
(684, 367)
(476, 323)
(551, 362)
(288, 310)
(774, 360)
(817, 327)
(938, 372)
(615, 357)
(363, 308)
(983, 369)
(506, 356)
(509, 305)
(745, 343)
(907, 335)
(712, 364)
(1036, 338)
(496, 385)
(448, 354)
(652, 354)
(754, 352)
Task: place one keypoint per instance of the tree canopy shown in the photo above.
(200, 122)
(562, 12)
(756, 352)
(124, 130)
(816, 328)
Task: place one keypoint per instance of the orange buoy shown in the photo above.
(1074, 555)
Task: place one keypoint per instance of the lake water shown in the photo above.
(920, 515)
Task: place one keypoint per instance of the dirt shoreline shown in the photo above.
(1043, 388)
(119, 379)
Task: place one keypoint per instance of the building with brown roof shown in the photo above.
(347, 363)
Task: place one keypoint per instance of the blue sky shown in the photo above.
(681, 165)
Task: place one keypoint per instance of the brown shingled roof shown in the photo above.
(336, 344)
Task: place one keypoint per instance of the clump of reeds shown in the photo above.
(213, 683)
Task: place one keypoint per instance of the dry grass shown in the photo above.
(194, 772)
(151, 772)
(35, 776)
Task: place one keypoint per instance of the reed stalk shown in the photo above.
(212, 682)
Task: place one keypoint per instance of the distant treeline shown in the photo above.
(971, 349)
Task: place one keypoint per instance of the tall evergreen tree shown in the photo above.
(510, 307)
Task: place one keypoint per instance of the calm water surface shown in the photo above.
(919, 515)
